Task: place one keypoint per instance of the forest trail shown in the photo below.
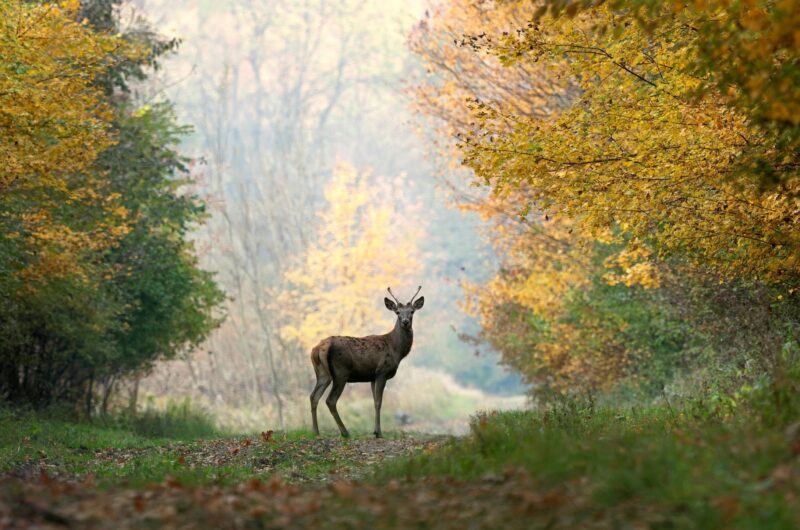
(267, 480)
(320, 483)
(297, 459)
(507, 501)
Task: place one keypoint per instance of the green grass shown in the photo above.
(162, 446)
(692, 464)
(135, 451)
(720, 461)
(180, 420)
(26, 434)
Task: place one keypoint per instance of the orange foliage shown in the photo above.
(610, 119)
(53, 125)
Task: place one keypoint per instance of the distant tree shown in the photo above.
(362, 246)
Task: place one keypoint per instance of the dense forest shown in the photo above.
(600, 199)
(641, 170)
(99, 277)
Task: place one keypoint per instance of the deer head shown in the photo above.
(404, 312)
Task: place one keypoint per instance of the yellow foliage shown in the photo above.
(637, 267)
(454, 74)
(54, 122)
(632, 124)
(363, 245)
(640, 146)
(543, 263)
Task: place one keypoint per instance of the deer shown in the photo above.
(373, 359)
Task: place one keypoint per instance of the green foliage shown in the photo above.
(131, 291)
(168, 300)
(181, 420)
(694, 463)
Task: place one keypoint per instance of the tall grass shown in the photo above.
(709, 462)
(181, 420)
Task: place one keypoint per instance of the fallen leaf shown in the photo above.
(138, 503)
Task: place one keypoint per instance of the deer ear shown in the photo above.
(419, 303)
(391, 306)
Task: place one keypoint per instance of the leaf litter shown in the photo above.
(304, 483)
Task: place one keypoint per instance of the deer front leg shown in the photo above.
(333, 397)
(377, 396)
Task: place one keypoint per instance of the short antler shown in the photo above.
(393, 296)
(415, 295)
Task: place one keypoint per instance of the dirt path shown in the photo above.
(300, 484)
(503, 502)
(242, 481)
(297, 460)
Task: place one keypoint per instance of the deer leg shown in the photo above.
(377, 397)
(323, 380)
(333, 397)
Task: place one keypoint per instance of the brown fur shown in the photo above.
(319, 356)
(373, 359)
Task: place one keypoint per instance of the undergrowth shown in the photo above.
(703, 461)
(181, 420)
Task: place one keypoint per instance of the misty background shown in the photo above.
(280, 94)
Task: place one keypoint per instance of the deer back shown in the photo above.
(362, 359)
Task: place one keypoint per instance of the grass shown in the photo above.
(699, 463)
(692, 466)
(179, 420)
(158, 447)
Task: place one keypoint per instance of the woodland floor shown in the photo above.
(264, 481)
(566, 468)
(298, 461)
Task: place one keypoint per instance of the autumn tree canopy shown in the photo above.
(97, 276)
(362, 246)
(629, 149)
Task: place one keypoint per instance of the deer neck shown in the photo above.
(401, 339)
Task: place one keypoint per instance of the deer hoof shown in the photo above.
(345, 434)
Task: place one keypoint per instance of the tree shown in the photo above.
(361, 247)
(169, 302)
(642, 173)
(98, 276)
(642, 145)
(55, 218)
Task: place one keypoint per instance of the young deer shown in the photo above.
(372, 359)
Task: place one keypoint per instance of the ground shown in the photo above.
(296, 458)
(221, 482)
(571, 466)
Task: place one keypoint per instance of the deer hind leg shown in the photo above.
(377, 396)
(333, 397)
(323, 380)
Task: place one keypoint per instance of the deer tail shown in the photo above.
(319, 357)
